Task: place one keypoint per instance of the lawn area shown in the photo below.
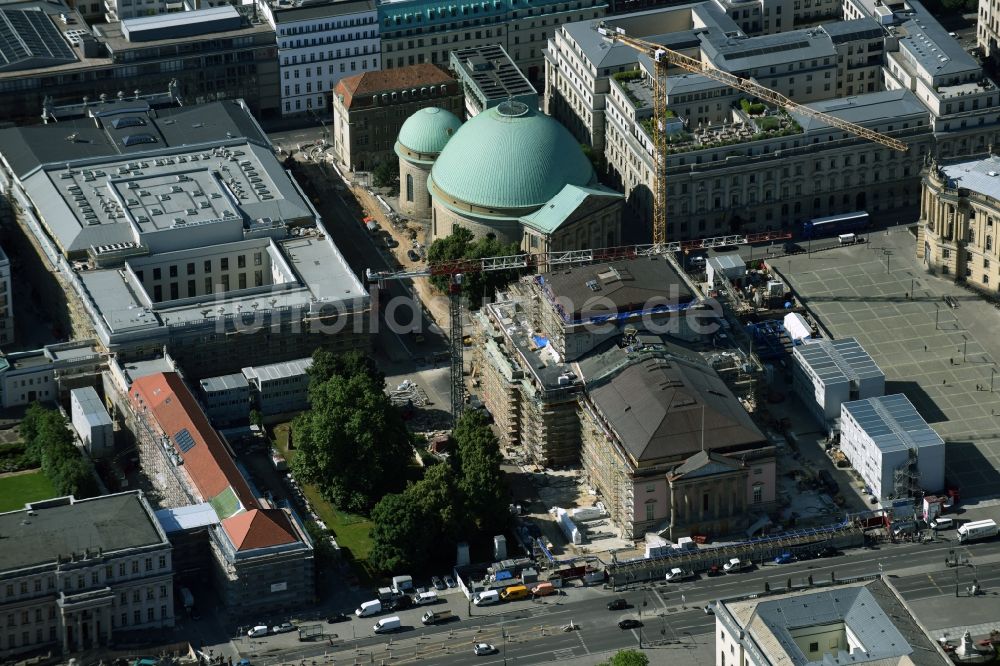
(20, 488)
(351, 531)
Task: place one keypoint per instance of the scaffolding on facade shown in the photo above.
(906, 477)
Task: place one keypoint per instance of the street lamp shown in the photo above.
(937, 315)
(965, 347)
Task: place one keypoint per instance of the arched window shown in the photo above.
(409, 187)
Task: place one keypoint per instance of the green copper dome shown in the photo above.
(428, 130)
(510, 156)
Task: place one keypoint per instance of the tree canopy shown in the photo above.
(351, 443)
(419, 525)
(422, 524)
(477, 459)
(386, 174)
(628, 658)
(326, 364)
(461, 244)
(49, 444)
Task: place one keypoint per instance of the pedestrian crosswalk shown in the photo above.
(565, 653)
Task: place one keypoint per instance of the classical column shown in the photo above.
(65, 632)
(107, 627)
(78, 632)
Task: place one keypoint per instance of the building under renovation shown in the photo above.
(530, 392)
(667, 444)
(261, 555)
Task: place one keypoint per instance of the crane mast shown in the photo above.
(663, 57)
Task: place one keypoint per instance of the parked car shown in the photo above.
(243, 662)
(784, 558)
(338, 617)
(259, 630)
(412, 255)
(708, 609)
(483, 649)
(714, 570)
(438, 583)
(400, 603)
(391, 242)
(450, 582)
(617, 604)
(829, 551)
(283, 628)
(629, 623)
(793, 248)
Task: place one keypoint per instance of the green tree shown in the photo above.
(477, 459)
(386, 174)
(628, 658)
(326, 364)
(418, 526)
(352, 443)
(462, 244)
(49, 444)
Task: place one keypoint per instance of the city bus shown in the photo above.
(833, 225)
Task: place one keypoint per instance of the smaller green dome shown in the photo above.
(428, 130)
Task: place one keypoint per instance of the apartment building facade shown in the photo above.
(318, 44)
(207, 55)
(729, 172)
(57, 594)
(369, 109)
(6, 301)
(416, 31)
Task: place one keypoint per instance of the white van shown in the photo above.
(942, 523)
(848, 239)
(487, 598)
(369, 608)
(386, 624)
(426, 598)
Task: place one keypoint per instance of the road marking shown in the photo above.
(565, 653)
(660, 599)
(579, 635)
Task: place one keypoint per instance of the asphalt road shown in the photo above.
(671, 613)
(362, 250)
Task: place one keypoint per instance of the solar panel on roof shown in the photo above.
(184, 440)
(30, 33)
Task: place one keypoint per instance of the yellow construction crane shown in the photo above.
(664, 57)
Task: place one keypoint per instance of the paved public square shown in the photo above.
(942, 358)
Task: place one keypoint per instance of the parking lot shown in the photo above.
(942, 357)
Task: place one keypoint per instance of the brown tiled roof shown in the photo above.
(388, 80)
(259, 528)
(175, 410)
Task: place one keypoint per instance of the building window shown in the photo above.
(650, 511)
(946, 253)
(173, 271)
(157, 274)
(257, 259)
(409, 187)
(225, 263)
(758, 493)
(208, 265)
(190, 268)
(814, 647)
(163, 561)
(241, 261)
(704, 502)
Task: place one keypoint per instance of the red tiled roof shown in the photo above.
(259, 528)
(175, 409)
(388, 80)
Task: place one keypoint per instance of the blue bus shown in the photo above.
(833, 225)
